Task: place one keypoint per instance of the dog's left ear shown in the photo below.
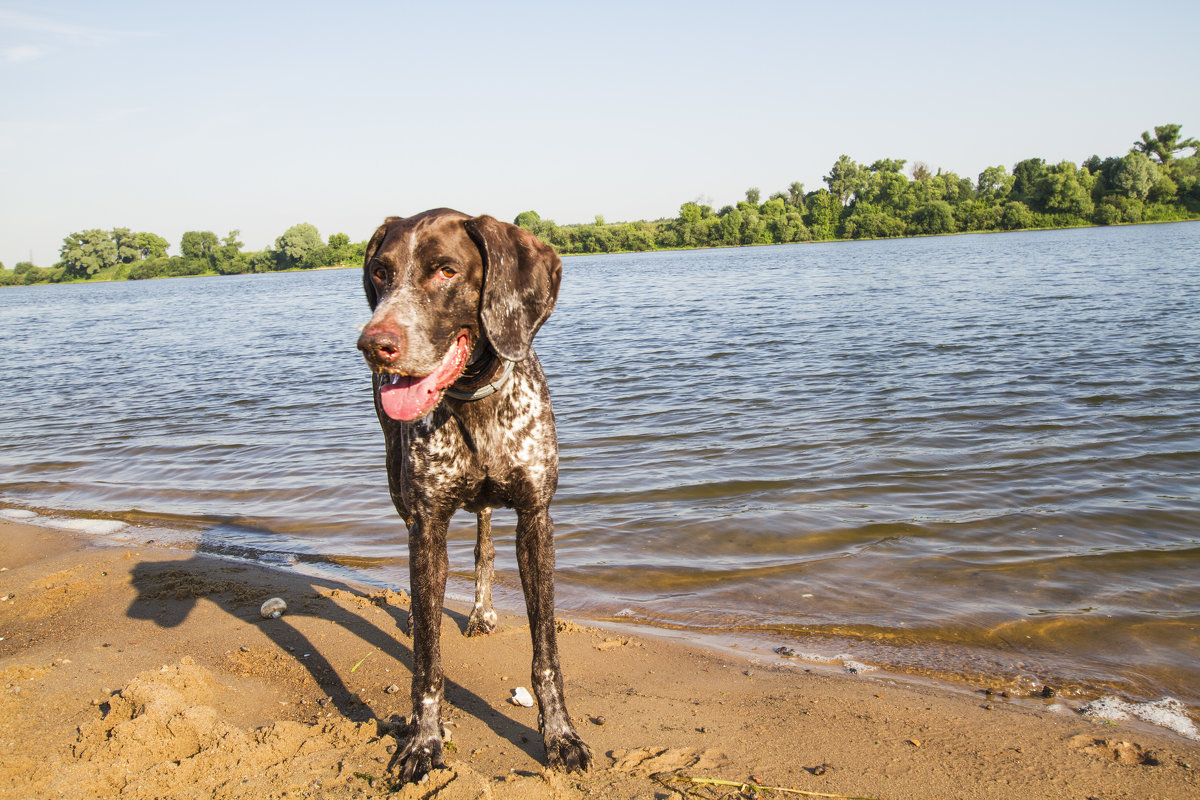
(520, 284)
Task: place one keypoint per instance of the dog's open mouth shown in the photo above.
(406, 398)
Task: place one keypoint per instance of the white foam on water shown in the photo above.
(848, 663)
(97, 527)
(17, 513)
(1168, 713)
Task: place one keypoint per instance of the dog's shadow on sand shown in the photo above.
(168, 591)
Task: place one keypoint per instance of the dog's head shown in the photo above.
(441, 283)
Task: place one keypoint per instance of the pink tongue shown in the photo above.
(411, 398)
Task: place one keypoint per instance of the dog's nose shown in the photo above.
(382, 347)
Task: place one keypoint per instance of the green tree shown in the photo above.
(152, 267)
(528, 220)
(977, 215)
(936, 216)
(198, 245)
(150, 245)
(730, 227)
(994, 184)
(1026, 175)
(85, 253)
(225, 258)
(824, 214)
(127, 247)
(887, 189)
(1015, 216)
(887, 165)
(296, 243)
(753, 195)
(1165, 142)
(867, 221)
(796, 196)
(342, 251)
(845, 179)
(37, 275)
(262, 261)
(1133, 176)
(1060, 191)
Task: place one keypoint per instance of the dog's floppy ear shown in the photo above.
(372, 246)
(520, 284)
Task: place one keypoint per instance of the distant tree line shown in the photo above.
(122, 254)
(1151, 183)
(1154, 182)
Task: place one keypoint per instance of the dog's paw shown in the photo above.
(481, 623)
(568, 753)
(416, 758)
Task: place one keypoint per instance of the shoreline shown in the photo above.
(934, 664)
(655, 250)
(107, 649)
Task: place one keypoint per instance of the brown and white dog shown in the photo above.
(467, 422)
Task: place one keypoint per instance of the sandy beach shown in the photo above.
(148, 673)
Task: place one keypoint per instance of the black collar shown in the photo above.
(483, 376)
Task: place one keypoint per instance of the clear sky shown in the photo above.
(168, 117)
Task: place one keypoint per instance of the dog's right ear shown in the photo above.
(372, 247)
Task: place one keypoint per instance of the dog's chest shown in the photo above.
(507, 446)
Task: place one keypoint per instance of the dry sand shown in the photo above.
(148, 673)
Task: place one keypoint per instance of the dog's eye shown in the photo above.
(379, 274)
(447, 272)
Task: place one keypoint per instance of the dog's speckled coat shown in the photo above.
(427, 279)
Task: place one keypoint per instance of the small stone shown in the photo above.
(598, 720)
(521, 697)
(392, 689)
(273, 608)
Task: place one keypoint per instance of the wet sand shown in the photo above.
(146, 673)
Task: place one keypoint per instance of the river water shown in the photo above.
(973, 456)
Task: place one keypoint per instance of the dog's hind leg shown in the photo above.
(483, 615)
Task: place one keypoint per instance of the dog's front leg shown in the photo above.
(535, 558)
(427, 585)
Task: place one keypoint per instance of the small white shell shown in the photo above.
(521, 697)
(273, 608)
